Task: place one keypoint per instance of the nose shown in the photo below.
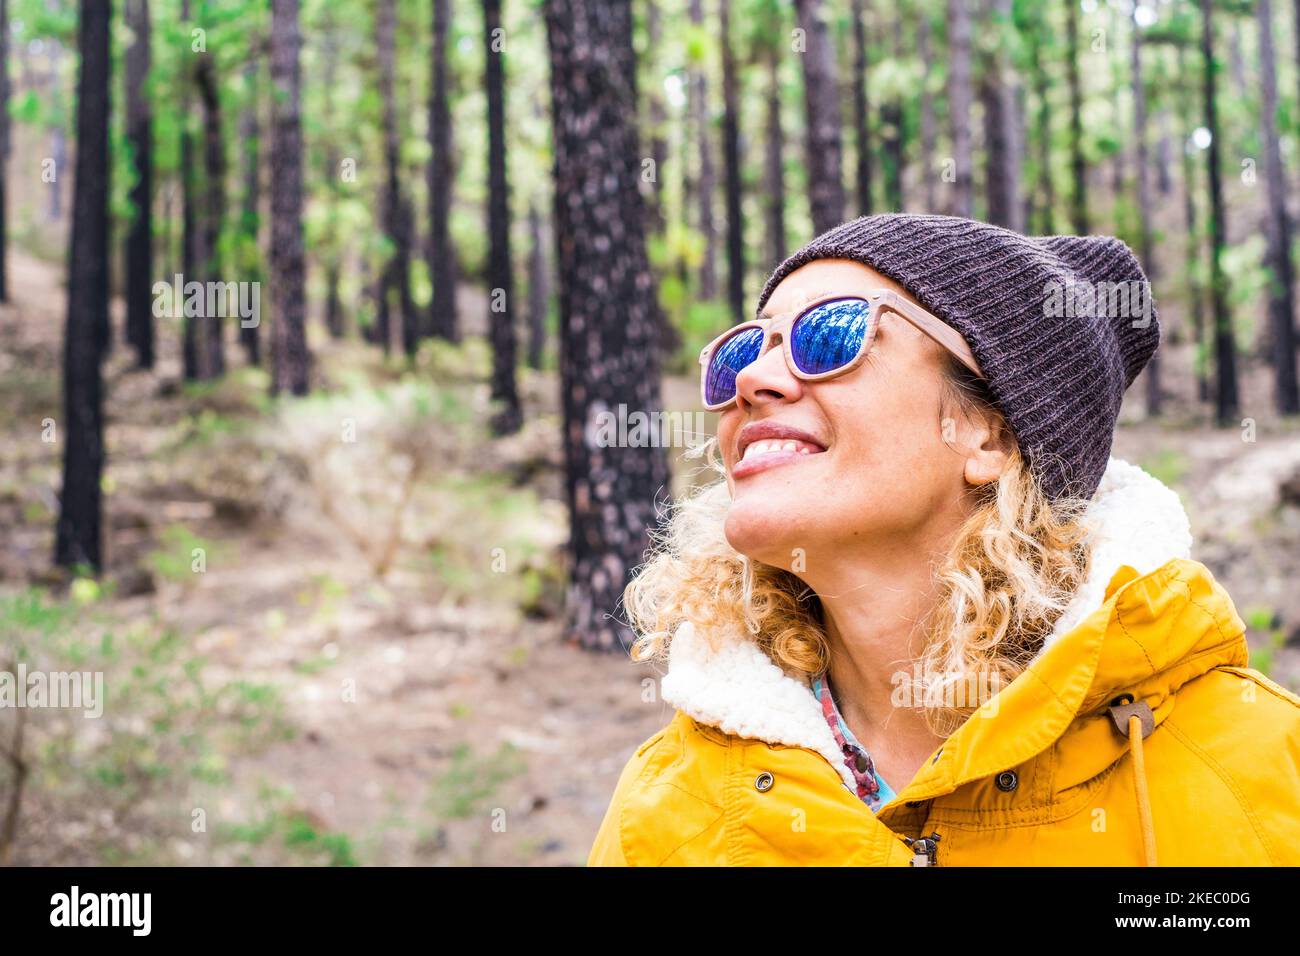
(767, 378)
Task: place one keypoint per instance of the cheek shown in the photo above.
(886, 474)
(729, 423)
(891, 468)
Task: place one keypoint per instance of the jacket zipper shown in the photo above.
(925, 850)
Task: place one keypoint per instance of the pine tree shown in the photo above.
(78, 533)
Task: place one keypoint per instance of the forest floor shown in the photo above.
(329, 626)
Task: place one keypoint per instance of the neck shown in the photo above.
(875, 607)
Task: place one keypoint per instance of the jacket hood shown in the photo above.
(1138, 526)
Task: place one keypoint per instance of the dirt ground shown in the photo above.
(437, 724)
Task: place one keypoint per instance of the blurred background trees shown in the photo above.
(743, 113)
(478, 226)
(1021, 113)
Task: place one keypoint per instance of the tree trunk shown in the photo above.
(4, 149)
(1238, 60)
(775, 163)
(442, 258)
(699, 105)
(1281, 306)
(58, 143)
(731, 163)
(139, 242)
(822, 112)
(396, 220)
(379, 332)
(959, 101)
(501, 281)
(78, 534)
(997, 92)
(332, 254)
(250, 217)
(212, 355)
(657, 212)
(658, 119)
(165, 234)
(1152, 371)
(59, 154)
(861, 109)
(189, 216)
(1164, 182)
(1121, 141)
(539, 293)
(1078, 165)
(928, 134)
(1225, 354)
(290, 362)
(1196, 292)
(1046, 189)
(893, 133)
(608, 355)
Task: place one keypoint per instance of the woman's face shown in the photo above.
(877, 472)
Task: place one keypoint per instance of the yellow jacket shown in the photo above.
(1206, 774)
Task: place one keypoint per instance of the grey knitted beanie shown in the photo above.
(1060, 325)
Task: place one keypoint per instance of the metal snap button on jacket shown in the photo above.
(1008, 781)
(764, 782)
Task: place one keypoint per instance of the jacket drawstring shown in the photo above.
(1135, 721)
(1140, 784)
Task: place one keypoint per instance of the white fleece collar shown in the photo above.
(737, 688)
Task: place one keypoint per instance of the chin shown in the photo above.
(765, 533)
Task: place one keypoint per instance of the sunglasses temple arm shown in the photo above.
(935, 328)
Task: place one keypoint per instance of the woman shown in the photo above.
(925, 618)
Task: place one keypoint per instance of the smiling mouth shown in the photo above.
(776, 446)
(770, 453)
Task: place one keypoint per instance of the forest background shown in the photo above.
(351, 571)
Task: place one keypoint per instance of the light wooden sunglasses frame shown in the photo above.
(877, 299)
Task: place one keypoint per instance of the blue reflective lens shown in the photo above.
(726, 363)
(829, 336)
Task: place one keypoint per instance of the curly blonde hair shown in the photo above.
(1013, 567)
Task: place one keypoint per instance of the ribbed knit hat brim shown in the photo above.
(1060, 325)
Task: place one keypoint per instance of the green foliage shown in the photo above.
(166, 729)
(676, 255)
(28, 618)
(305, 838)
(702, 322)
(471, 780)
(492, 539)
(207, 425)
(1243, 263)
(180, 548)
(280, 829)
(895, 79)
(1263, 619)
(1265, 622)
(1168, 465)
(1264, 657)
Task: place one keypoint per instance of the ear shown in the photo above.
(988, 446)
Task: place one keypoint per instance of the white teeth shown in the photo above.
(770, 446)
